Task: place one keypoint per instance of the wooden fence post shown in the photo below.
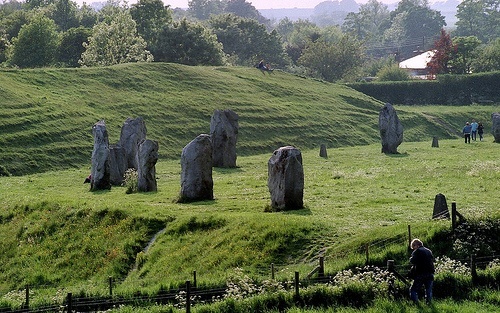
(27, 301)
(272, 271)
(70, 302)
(409, 238)
(296, 284)
(321, 271)
(194, 279)
(188, 296)
(110, 281)
(367, 252)
(390, 266)
(473, 268)
(453, 216)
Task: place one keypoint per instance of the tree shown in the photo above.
(36, 44)
(297, 35)
(64, 14)
(71, 47)
(488, 57)
(115, 42)
(190, 44)
(334, 60)
(444, 49)
(369, 23)
(150, 17)
(247, 41)
(480, 18)
(203, 9)
(245, 9)
(464, 54)
(87, 16)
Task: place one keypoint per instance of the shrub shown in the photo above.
(392, 73)
(130, 180)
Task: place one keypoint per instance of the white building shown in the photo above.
(417, 65)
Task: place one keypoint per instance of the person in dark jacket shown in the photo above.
(423, 262)
(466, 131)
(480, 131)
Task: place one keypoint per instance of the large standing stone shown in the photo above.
(118, 164)
(391, 130)
(146, 160)
(495, 126)
(133, 132)
(196, 170)
(224, 135)
(440, 207)
(100, 175)
(286, 179)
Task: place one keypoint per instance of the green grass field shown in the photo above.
(56, 234)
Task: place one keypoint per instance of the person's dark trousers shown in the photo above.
(467, 138)
(425, 280)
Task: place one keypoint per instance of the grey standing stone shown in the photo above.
(391, 130)
(286, 179)
(495, 126)
(196, 170)
(224, 135)
(435, 143)
(118, 164)
(100, 174)
(146, 160)
(322, 151)
(133, 132)
(440, 207)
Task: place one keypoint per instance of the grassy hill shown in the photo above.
(56, 235)
(46, 115)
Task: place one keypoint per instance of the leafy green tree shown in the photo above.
(87, 16)
(115, 42)
(188, 43)
(247, 41)
(150, 17)
(11, 24)
(480, 18)
(71, 47)
(245, 9)
(64, 13)
(392, 73)
(464, 54)
(488, 57)
(4, 46)
(334, 60)
(296, 36)
(203, 9)
(36, 44)
(369, 23)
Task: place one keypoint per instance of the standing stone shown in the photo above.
(495, 126)
(133, 132)
(286, 179)
(322, 151)
(146, 160)
(435, 143)
(196, 170)
(100, 175)
(224, 135)
(118, 164)
(440, 207)
(391, 130)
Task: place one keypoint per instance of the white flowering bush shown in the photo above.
(444, 264)
(130, 180)
(373, 277)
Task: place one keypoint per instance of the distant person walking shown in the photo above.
(466, 131)
(480, 131)
(423, 262)
(473, 130)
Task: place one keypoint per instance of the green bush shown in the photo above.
(392, 73)
(449, 285)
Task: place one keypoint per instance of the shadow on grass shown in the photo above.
(398, 155)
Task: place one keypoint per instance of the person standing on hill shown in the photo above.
(422, 261)
(480, 131)
(466, 131)
(473, 130)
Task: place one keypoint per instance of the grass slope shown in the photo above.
(46, 115)
(54, 233)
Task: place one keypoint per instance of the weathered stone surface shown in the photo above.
(391, 130)
(196, 170)
(133, 132)
(440, 207)
(322, 151)
(224, 135)
(435, 142)
(495, 126)
(146, 159)
(286, 179)
(100, 174)
(118, 164)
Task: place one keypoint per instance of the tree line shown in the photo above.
(370, 42)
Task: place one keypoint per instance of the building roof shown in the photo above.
(418, 62)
